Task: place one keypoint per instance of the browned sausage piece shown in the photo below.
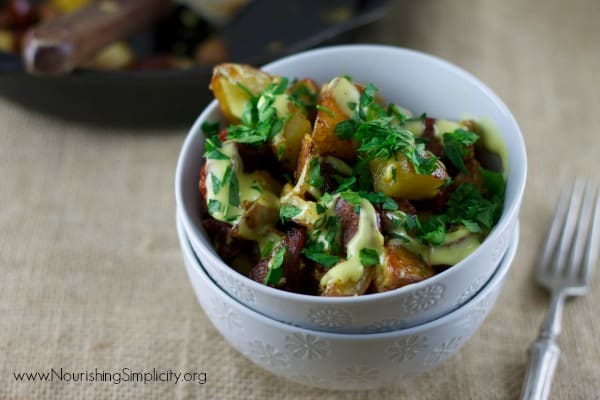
(348, 219)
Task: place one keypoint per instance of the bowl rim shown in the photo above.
(497, 278)
(508, 214)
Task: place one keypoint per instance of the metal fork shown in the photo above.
(569, 256)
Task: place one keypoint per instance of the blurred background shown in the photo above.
(157, 69)
(91, 270)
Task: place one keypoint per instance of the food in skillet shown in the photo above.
(330, 191)
(180, 39)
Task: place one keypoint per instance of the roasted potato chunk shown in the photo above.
(350, 288)
(226, 85)
(396, 177)
(286, 145)
(401, 267)
(333, 102)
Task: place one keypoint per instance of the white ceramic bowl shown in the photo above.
(414, 80)
(341, 361)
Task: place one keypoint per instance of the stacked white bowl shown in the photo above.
(365, 341)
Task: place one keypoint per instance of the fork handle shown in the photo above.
(543, 357)
(544, 353)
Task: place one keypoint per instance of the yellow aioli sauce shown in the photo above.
(492, 140)
(343, 91)
(250, 188)
(457, 245)
(367, 236)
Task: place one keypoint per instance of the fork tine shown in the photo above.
(568, 228)
(554, 231)
(591, 254)
(579, 241)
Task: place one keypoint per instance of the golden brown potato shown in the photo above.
(396, 177)
(350, 287)
(401, 267)
(286, 145)
(333, 109)
(225, 84)
(308, 150)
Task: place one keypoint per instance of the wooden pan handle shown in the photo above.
(60, 45)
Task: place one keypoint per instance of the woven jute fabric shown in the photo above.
(91, 275)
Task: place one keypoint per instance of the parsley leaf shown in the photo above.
(368, 257)
(288, 211)
(275, 271)
(326, 110)
(234, 191)
(345, 183)
(259, 122)
(214, 206)
(316, 253)
(493, 183)
(314, 173)
(212, 151)
(456, 146)
(210, 128)
(216, 183)
(387, 203)
(353, 198)
(380, 134)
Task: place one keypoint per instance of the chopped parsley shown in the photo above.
(288, 211)
(355, 198)
(326, 110)
(380, 134)
(456, 146)
(368, 257)
(314, 173)
(212, 151)
(216, 183)
(302, 96)
(210, 128)
(275, 267)
(234, 191)
(466, 206)
(259, 121)
(214, 206)
(315, 251)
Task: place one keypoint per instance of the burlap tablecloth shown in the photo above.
(91, 274)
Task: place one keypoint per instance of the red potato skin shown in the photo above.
(433, 144)
(295, 274)
(348, 220)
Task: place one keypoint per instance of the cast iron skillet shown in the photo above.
(146, 98)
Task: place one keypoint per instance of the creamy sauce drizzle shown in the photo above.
(367, 236)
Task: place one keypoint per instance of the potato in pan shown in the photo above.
(330, 191)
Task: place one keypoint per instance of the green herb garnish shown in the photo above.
(214, 206)
(314, 173)
(368, 257)
(380, 134)
(315, 252)
(234, 191)
(216, 183)
(212, 151)
(456, 146)
(259, 121)
(326, 110)
(288, 211)
(275, 271)
(210, 128)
